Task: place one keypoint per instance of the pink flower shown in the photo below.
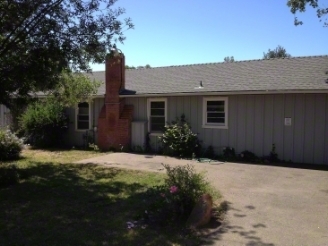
(173, 189)
(162, 195)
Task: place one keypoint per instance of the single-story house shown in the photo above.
(247, 105)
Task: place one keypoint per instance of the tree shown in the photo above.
(300, 6)
(73, 88)
(141, 67)
(138, 67)
(39, 39)
(44, 121)
(278, 52)
(229, 59)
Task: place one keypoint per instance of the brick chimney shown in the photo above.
(114, 122)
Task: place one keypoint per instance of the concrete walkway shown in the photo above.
(268, 205)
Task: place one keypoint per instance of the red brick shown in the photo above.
(114, 122)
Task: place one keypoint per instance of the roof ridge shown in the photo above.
(242, 61)
(214, 63)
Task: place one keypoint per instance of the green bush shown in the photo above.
(10, 145)
(248, 156)
(209, 152)
(43, 123)
(8, 175)
(179, 140)
(229, 154)
(182, 189)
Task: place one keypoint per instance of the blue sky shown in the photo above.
(180, 32)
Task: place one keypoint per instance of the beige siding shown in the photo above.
(257, 121)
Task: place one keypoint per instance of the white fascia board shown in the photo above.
(230, 93)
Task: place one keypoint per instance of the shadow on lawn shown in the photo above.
(78, 205)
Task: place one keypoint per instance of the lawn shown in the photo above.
(60, 203)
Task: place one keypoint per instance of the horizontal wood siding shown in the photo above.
(256, 122)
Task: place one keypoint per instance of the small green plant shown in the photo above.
(273, 154)
(209, 152)
(138, 149)
(94, 147)
(229, 154)
(179, 140)
(248, 156)
(175, 199)
(148, 148)
(10, 145)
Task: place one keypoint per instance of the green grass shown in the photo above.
(60, 203)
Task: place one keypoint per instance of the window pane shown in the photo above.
(83, 117)
(215, 115)
(83, 125)
(215, 103)
(160, 112)
(215, 106)
(157, 123)
(215, 120)
(158, 120)
(157, 127)
(83, 111)
(215, 109)
(83, 105)
(157, 105)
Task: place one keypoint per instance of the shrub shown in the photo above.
(248, 156)
(179, 140)
(229, 154)
(209, 152)
(181, 191)
(43, 123)
(8, 175)
(10, 145)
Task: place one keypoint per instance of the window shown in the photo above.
(156, 114)
(215, 112)
(83, 116)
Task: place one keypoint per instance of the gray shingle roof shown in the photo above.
(297, 73)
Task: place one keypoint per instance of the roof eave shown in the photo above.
(263, 92)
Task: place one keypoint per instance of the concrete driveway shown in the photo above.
(269, 205)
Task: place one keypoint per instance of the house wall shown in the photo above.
(5, 116)
(74, 137)
(256, 122)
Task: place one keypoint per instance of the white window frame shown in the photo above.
(215, 125)
(149, 101)
(76, 119)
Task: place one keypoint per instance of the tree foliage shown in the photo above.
(229, 59)
(138, 67)
(278, 52)
(301, 5)
(39, 39)
(73, 88)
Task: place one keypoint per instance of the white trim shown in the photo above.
(215, 125)
(90, 117)
(224, 93)
(149, 100)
